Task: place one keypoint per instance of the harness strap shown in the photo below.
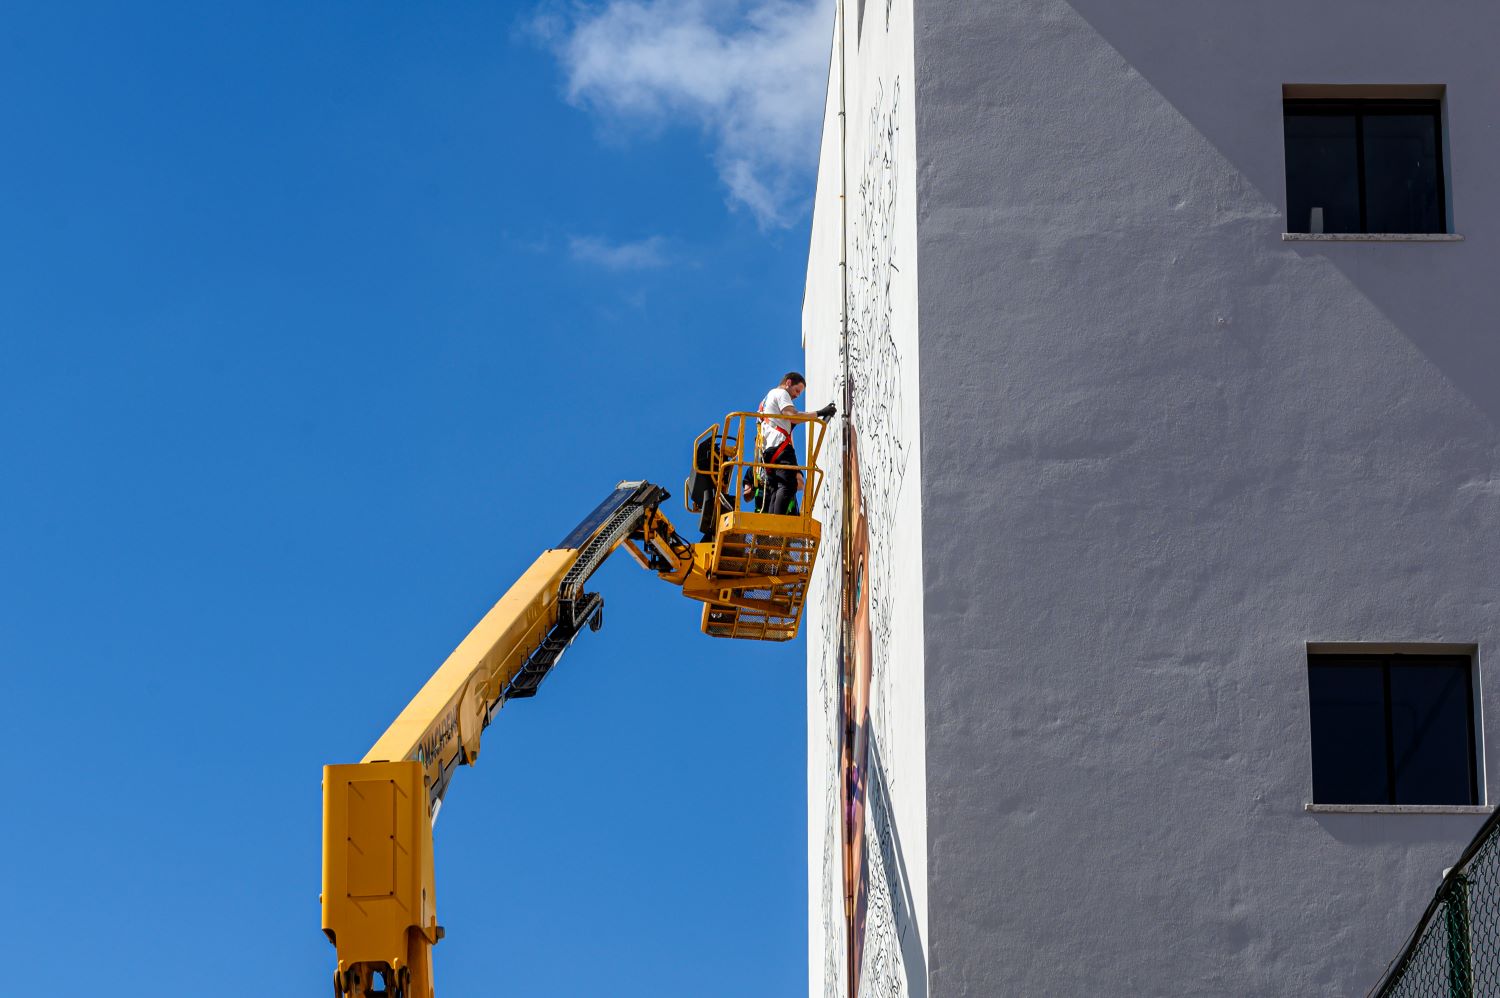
(786, 435)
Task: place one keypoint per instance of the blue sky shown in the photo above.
(317, 323)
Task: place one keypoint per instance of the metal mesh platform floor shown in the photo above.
(772, 610)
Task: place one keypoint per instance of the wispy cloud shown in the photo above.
(749, 73)
(644, 254)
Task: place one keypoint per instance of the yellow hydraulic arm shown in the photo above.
(378, 897)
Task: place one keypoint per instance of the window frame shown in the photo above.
(1367, 658)
(1310, 107)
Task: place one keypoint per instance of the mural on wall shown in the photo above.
(864, 876)
(856, 666)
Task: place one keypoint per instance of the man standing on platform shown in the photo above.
(776, 442)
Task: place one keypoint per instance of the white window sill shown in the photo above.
(1399, 808)
(1371, 237)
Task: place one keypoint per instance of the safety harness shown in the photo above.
(786, 436)
(757, 490)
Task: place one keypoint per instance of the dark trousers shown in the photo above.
(781, 486)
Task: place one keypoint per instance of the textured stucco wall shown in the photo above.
(1161, 450)
(884, 660)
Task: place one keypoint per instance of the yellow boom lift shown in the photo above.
(378, 896)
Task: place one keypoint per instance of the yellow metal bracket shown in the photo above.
(377, 898)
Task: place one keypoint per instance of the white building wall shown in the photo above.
(885, 646)
(1151, 451)
(1163, 450)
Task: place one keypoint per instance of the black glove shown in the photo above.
(827, 411)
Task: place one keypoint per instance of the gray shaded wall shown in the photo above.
(1162, 450)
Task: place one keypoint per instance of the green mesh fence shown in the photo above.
(1455, 950)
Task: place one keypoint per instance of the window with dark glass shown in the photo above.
(1392, 729)
(1364, 166)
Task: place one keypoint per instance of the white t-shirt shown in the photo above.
(774, 431)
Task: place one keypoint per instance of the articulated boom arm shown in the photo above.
(378, 886)
(509, 652)
(378, 891)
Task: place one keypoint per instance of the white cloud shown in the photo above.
(644, 254)
(749, 73)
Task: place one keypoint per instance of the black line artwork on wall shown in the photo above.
(868, 884)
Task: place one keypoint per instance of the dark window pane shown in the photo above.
(1430, 720)
(1322, 173)
(1348, 731)
(1401, 173)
